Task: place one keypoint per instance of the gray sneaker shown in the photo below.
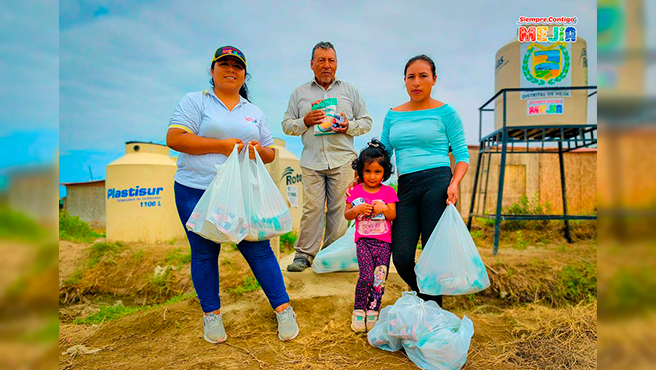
(298, 265)
(287, 326)
(213, 328)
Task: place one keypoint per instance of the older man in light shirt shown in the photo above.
(326, 159)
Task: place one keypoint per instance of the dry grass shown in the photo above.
(172, 337)
(533, 326)
(627, 343)
(124, 274)
(128, 273)
(531, 337)
(537, 337)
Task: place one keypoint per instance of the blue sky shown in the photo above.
(29, 113)
(123, 66)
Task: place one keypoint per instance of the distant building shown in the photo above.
(86, 200)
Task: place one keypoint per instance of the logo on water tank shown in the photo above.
(146, 196)
(545, 52)
(546, 64)
(133, 192)
(288, 171)
(500, 63)
(537, 107)
(563, 29)
(288, 175)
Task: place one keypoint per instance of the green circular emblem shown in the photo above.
(529, 76)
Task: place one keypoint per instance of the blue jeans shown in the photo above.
(205, 259)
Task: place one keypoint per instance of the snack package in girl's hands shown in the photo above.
(332, 118)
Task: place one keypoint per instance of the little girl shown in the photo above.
(373, 206)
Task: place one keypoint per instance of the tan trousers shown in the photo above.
(324, 190)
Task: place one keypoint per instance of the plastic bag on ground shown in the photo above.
(267, 214)
(411, 317)
(444, 349)
(432, 337)
(450, 263)
(379, 336)
(219, 214)
(341, 255)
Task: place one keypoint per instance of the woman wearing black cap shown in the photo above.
(205, 128)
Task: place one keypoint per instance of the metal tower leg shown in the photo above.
(473, 198)
(487, 180)
(502, 171)
(563, 187)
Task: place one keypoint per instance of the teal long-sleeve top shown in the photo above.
(420, 139)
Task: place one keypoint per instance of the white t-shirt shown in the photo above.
(202, 113)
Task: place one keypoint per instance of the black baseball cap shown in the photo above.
(229, 51)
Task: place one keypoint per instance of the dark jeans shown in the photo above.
(205, 259)
(422, 200)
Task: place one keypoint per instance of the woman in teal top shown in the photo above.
(420, 132)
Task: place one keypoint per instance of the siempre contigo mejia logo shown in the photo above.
(133, 192)
(288, 173)
(546, 47)
(561, 31)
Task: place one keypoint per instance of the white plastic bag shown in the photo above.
(432, 337)
(267, 214)
(450, 263)
(444, 349)
(341, 255)
(411, 317)
(379, 336)
(197, 221)
(219, 214)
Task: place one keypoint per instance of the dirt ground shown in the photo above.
(521, 321)
(28, 315)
